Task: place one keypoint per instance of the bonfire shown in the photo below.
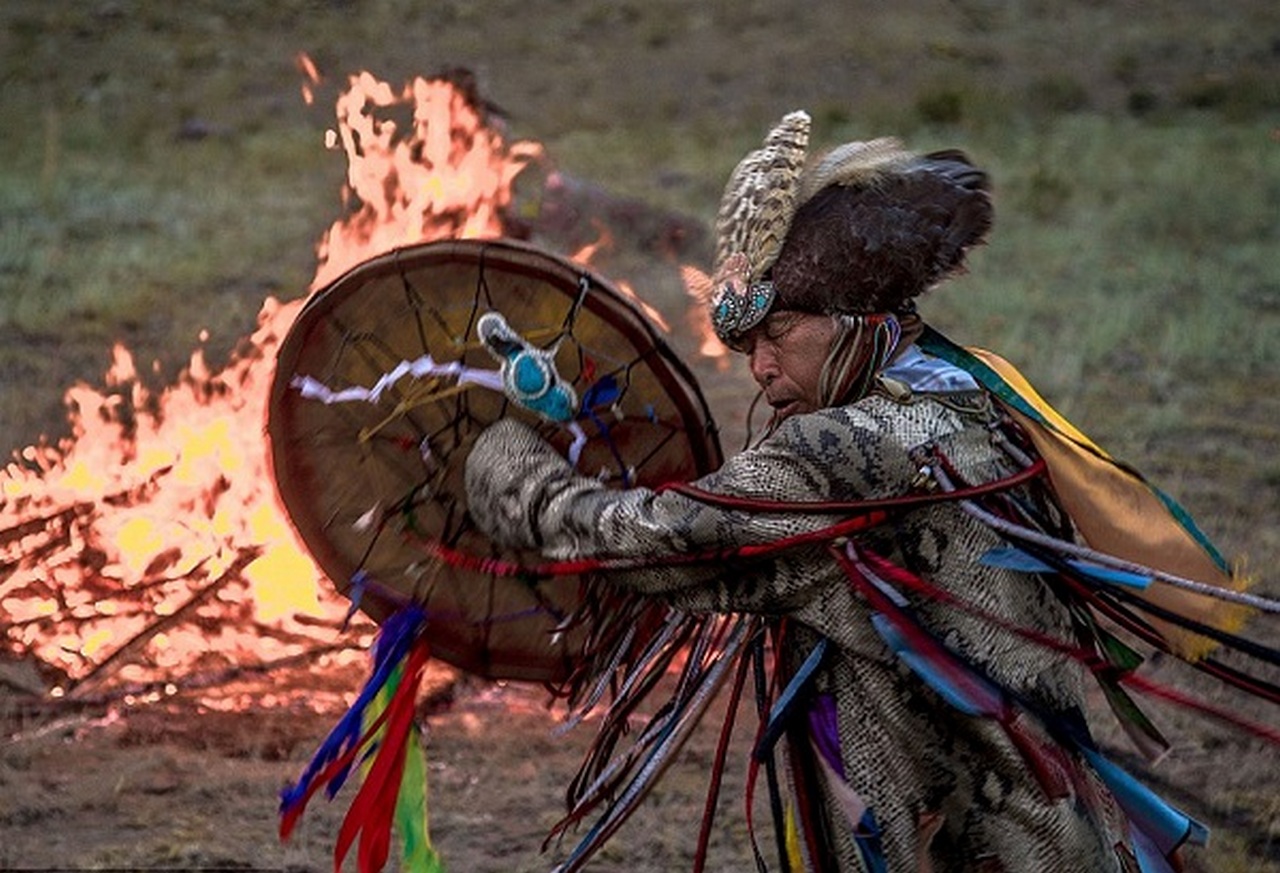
(148, 553)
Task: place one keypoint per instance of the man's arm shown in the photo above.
(523, 494)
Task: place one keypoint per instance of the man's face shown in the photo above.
(787, 352)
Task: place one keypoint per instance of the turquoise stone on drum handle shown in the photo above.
(529, 375)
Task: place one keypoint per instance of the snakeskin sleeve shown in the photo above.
(523, 494)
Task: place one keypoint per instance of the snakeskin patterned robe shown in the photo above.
(913, 759)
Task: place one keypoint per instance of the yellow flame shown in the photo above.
(166, 490)
(138, 542)
(282, 584)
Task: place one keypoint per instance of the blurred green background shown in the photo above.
(160, 175)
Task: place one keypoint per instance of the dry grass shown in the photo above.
(159, 175)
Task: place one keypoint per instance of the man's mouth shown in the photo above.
(783, 405)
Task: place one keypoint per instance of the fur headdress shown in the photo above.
(864, 230)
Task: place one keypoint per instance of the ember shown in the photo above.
(148, 552)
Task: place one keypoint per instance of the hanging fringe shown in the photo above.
(1103, 666)
(1118, 512)
(1157, 828)
(717, 767)
(1077, 569)
(378, 733)
(715, 649)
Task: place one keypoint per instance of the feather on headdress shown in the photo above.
(762, 195)
(755, 214)
(864, 229)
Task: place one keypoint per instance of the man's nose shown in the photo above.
(763, 364)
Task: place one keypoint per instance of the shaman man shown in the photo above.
(933, 719)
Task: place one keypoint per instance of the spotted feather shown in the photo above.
(762, 196)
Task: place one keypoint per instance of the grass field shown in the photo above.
(159, 172)
(160, 175)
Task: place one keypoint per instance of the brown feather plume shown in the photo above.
(864, 229)
(874, 245)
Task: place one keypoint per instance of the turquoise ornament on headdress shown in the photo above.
(736, 305)
(529, 375)
(733, 314)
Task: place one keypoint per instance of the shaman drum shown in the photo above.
(381, 387)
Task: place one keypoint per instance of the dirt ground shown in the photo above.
(172, 787)
(175, 786)
(180, 785)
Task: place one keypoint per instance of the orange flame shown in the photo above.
(153, 535)
(604, 242)
(449, 175)
(169, 489)
(698, 286)
(160, 506)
